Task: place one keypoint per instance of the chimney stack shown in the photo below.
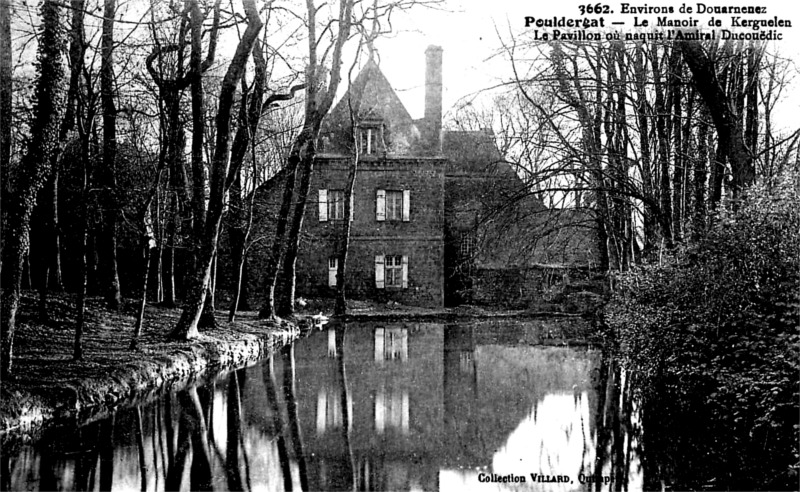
(433, 97)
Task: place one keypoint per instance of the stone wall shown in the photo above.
(420, 238)
(537, 287)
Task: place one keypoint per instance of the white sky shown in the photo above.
(469, 31)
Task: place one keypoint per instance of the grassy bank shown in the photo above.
(48, 385)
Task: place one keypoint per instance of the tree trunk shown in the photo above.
(207, 319)
(278, 242)
(237, 237)
(33, 172)
(51, 238)
(195, 299)
(169, 261)
(80, 304)
(700, 174)
(679, 159)
(751, 91)
(106, 179)
(662, 131)
(318, 103)
(731, 144)
(137, 328)
(6, 85)
(646, 161)
(56, 279)
(173, 144)
(689, 153)
(340, 308)
(286, 299)
(241, 219)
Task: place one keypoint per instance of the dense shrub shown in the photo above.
(712, 337)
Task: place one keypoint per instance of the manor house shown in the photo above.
(438, 216)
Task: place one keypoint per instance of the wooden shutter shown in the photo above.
(380, 411)
(322, 405)
(379, 273)
(405, 271)
(333, 264)
(380, 206)
(406, 205)
(323, 205)
(379, 344)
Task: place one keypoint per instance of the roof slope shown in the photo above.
(372, 99)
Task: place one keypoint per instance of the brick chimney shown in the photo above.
(433, 98)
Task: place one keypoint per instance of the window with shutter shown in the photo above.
(379, 273)
(394, 205)
(380, 206)
(406, 205)
(333, 267)
(335, 204)
(404, 272)
(394, 271)
(323, 205)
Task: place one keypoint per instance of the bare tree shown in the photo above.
(105, 175)
(721, 104)
(319, 99)
(197, 67)
(33, 171)
(5, 85)
(195, 299)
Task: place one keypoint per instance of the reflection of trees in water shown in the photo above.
(107, 456)
(291, 410)
(618, 433)
(346, 418)
(172, 441)
(192, 448)
(268, 373)
(170, 444)
(234, 421)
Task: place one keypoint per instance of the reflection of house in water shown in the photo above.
(392, 407)
(423, 399)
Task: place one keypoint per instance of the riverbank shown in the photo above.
(48, 385)
(363, 310)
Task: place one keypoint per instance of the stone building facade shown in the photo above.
(431, 208)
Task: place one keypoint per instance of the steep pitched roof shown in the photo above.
(371, 97)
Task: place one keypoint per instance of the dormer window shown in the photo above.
(370, 138)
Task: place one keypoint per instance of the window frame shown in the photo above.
(393, 280)
(335, 204)
(396, 206)
(399, 263)
(370, 139)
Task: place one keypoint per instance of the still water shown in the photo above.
(404, 406)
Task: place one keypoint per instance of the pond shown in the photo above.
(369, 406)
